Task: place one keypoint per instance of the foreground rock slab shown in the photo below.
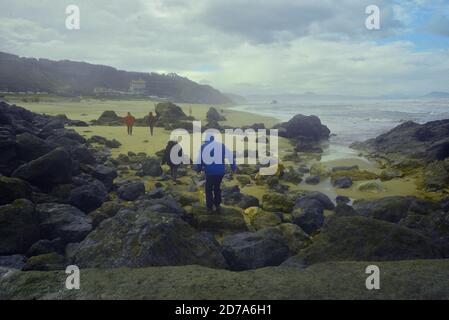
(418, 279)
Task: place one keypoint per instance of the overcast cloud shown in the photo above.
(247, 46)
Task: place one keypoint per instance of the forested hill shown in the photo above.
(79, 78)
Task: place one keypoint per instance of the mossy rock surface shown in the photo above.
(366, 239)
(277, 202)
(414, 279)
(228, 221)
(12, 189)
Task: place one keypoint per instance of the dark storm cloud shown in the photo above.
(268, 21)
(264, 21)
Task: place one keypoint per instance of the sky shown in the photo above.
(247, 46)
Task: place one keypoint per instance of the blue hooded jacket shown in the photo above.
(214, 169)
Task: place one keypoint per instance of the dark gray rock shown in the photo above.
(393, 209)
(342, 199)
(308, 128)
(251, 250)
(103, 141)
(131, 191)
(233, 197)
(342, 182)
(13, 188)
(46, 262)
(53, 168)
(108, 118)
(425, 142)
(15, 261)
(19, 227)
(314, 200)
(313, 180)
(309, 219)
(107, 210)
(30, 147)
(82, 154)
(365, 239)
(46, 246)
(62, 221)
(105, 174)
(150, 167)
(145, 238)
(88, 197)
(213, 115)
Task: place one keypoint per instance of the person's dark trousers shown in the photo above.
(151, 130)
(130, 130)
(174, 172)
(213, 191)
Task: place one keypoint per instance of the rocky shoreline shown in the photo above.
(65, 199)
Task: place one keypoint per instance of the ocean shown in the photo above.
(360, 120)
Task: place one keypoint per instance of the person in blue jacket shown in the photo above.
(214, 169)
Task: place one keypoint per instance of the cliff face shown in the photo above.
(80, 78)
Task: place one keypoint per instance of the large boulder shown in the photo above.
(19, 227)
(395, 208)
(264, 219)
(213, 115)
(309, 219)
(314, 199)
(62, 221)
(108, 118)
(131, 191)
(13, 188)
(308, 128)
(436, 176)
(8, 150)
(434, 225)
(107, 210)
(276, 202)
(53, 168)
(88, 197)
(167, 112)
(251, 250)
(82, 154)
(423, 142)
(145, 238)
(233, 197)
(150, 167)
(105, 174)
(30, 147)
(295, 238)
(366, 239)
(46, 246)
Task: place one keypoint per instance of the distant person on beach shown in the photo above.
(129, 121)
(169, 161)
(214, 170)
(151, 122)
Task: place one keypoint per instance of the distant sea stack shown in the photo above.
(73, 78)
(302, 127)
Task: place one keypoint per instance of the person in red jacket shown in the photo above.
(129, 121)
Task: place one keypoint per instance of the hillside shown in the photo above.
(79, 78)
